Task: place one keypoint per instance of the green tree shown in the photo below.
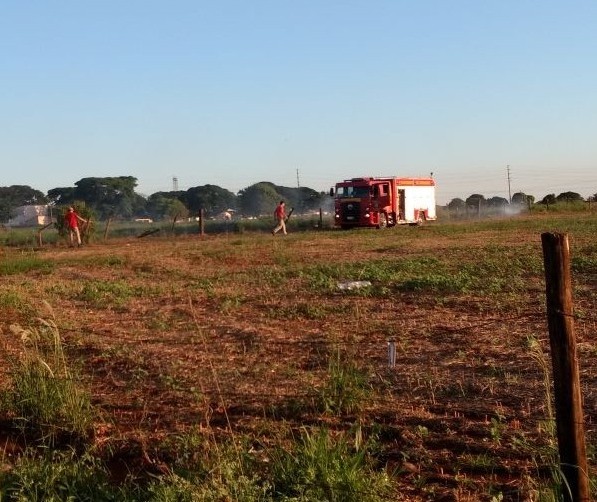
(497, 202)
(111, 196)
(302, 198)
(211, 198)
(259, 199)
(548, 200)
(162, 207)
(139, 205)
(63, 196)
(569, 197)
(181, 195)
(176, 209)
(15, 196)
(475, 201)
(456, 204)
(311, 200)
(520, 198)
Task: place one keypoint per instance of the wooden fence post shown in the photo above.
(107, 229)
(174, 220)
(202, 222)
(40, 241)
(569, 414)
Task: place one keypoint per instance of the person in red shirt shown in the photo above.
(280, 217)
(71, 218)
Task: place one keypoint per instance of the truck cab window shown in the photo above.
(352, 191)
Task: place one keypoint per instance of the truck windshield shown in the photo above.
(352, 191)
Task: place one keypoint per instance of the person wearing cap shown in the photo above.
(280, 217)
(72, 219)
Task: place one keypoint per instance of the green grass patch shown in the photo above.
(445, 283)
(584, 264)
(53, 476)
(110, 261)
(45, 398)
(13, 300)
(346, 388)
(100, 293)
(304, 310)
(25, 263)
(322, 466)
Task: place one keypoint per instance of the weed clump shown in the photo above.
(324, 467)
(346, 388)
(45, 399)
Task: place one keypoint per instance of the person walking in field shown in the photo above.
(280, 217)
(71, 218)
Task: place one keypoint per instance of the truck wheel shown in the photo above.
(383, 220)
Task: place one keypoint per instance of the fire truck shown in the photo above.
(383, 202)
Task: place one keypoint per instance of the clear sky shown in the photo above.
(309, 92)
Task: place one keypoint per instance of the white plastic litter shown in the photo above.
(349, 285)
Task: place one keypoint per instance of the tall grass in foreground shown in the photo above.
(346, 388)
(553, 490)
(58, 476)
(318, 466)
(45, 399)
(212, 471)
(323, 467)
(13, 264)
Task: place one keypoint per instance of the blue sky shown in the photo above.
(235, 92)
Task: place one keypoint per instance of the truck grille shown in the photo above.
(351, 212)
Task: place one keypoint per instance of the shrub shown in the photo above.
(346, 387)
(211, 472)
(57, 476)
(44, 398)
(323, 467)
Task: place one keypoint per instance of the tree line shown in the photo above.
(520, 199)
(115, 197)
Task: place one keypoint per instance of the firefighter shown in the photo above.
(71, 218)
(280, 217)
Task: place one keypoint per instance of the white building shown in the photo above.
(29, 216)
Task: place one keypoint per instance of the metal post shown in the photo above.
(391, 353)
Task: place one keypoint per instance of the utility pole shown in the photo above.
(298, 186)
(509, 190)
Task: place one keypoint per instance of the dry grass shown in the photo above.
(233, 334)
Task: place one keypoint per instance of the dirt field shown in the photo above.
(233, 334)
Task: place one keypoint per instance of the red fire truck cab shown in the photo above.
(383, 202)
